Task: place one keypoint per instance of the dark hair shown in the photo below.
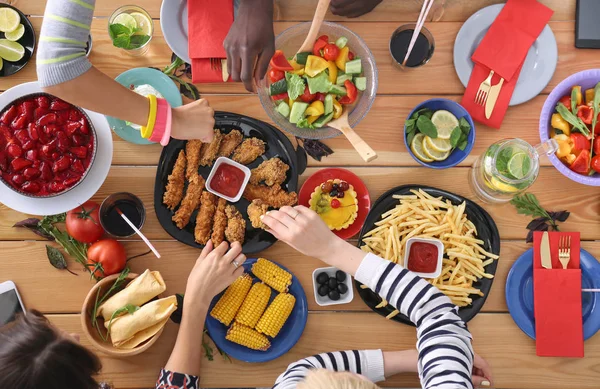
(33, 355)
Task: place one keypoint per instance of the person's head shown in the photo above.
(34, 354)
(327, 379)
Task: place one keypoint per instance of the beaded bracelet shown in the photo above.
(147, 130)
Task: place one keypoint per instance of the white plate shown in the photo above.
(80, 193)
(539, 65)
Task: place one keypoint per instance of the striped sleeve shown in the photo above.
(61, 51)
(443, 340)
(367, 362)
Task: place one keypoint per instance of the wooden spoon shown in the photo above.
(309, 42)
(341, 123)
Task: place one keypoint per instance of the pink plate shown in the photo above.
(362, 194)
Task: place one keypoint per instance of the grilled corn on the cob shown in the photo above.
(226, 308)
(254, 305)
(276, 314)
(246, 336)
(272, 275)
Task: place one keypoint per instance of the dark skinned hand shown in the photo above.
(250, 43)
(353, 8)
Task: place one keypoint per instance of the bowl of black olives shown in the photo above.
(332, 286)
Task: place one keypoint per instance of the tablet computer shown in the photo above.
(587, 25)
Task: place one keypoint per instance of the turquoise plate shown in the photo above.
(141, 76)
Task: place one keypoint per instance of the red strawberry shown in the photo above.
(19, 122)
(28, 145)
(63, 117)
(33, 131)
(42, 101)
(59, 105)
(51, 129)
(74, 115)
(39, 112)
(3, 161)
(71, 127)
(79, 152)
(63, 144)
(19, 164)
(9, 115)
(55, 156)
(56, 186)
(18, 179)
(26, 108)
(85, 127)
(31, 173)
(22, 135)
(61, 164)
(33, 155)
(78, 166)
(14, 150)
(46, 171)
(31, 187)
(78, 140)
(71, 181)
(48, 118)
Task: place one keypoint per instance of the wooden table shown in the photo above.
(496, 337)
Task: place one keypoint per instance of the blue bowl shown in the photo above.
(141, 76)
(281, 344)
(457, 156)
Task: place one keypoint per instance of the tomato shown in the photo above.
(585, 113)
(580, 143)
(597, 128)
(279, 62)
(280, 96)
(323, 38)
(596, 163)
(307, 97)
(581, 163)
(319, 45)
(351, 93)
(566, 100)
(350, 56)
(106, 257)
(83, 223)
(320, 96)
(597, 146)
(276, 75)
(331, 52)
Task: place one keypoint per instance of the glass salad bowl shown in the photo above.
(289, 41)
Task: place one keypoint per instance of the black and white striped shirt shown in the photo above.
(444, 342)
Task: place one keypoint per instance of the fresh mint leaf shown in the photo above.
(464, 125)
(463, 145)
(118, 29)
(138, 41)
(410, 138)
(426, 126)
(455, 136)
(410, 125)
(122, 41)
(423, 111)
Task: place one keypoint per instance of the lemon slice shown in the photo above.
(416, 146)
(16, 34)
(438, 144)
(11, 51)
(445, 122)
(519, 165)
(143, 23)
(434, 154)
(500, 186)
(126, 20)
(1, 63)
(9, 19)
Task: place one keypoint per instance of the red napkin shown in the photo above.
(504, 49)
(209, 22)
(557, 300)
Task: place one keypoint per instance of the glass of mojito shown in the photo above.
(130, 27)
(507, 168)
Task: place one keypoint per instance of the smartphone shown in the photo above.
(587, 28)
(10, 302)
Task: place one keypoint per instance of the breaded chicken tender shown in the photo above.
(219, 223)
(274, 196)
(192, 151)
(248, 151)
(236, 225)
(272, 171)
(176, 183)
(204, 220)
(210, 150)
(255, 210)
(190, 202)
(229, 143)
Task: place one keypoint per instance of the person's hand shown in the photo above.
(193, 121)
(352, 8)
(250, 41)
(214, 271)
(482, 372)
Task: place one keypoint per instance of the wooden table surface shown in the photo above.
(511, 353)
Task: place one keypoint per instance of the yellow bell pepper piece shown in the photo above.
(315, 65)
(579, 98)
(333, 71)
(312, 119)
(589, 96)
(290, 102)
(559, 123)
(337, 109)
(295, 64)
(316, 108)
(565, 146)
(569, 159)
(342, 58)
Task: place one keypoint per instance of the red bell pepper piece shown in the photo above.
(566, 100)
(351, 93)
(596, 163)
(580, 142)
(308, 97)
(279, 62)
(597, 146)
(280, 96)
(585, 113)
(319, 45)
(581, 163)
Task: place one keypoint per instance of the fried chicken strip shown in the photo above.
(272, 171)
(274, 196)
(248, 151)
(210, 150)
(192, 151)
(176, 182)
(219, 223)
(204, 220)
(236, 225)
(190, 202)
(255, 210)
(229, 143)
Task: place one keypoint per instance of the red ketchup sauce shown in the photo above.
(422, 257)
(227, 180)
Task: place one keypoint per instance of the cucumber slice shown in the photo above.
(328, 104)
(278, 87)
(284, 109)
(301, 57)
(340, 79)
(320, 122)
(338, 90)
(360, 83)
(354, 66)
(297, 112)
(341, 42)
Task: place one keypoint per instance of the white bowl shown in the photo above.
(435, 242)
(219, 162)
(324, 300)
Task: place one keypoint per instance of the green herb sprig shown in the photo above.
(127, 38)
(572, 119)
(128, 308)
(528, 204)
(100, 300)
(596, 106)
(459, 138)
(176, 70)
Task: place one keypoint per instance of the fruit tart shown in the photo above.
(336, 203)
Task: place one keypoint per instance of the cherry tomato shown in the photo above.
(351, 93)
(596, 163)
(318, 46)
(83, 223)
(276, 75)
(331, 52)
(320, 96)
(279, 62)
(597, 128)
(307, 97)
(585, 113)
(106, 257)
(597, 145)
(580, 142)
(581, 163)
(280, 96)
(323, 38)
(350, 56)
(566, 100)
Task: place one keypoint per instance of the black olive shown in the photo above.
(340, 275)
(332, 283)
(323, 290)
(322, 278)
(334, 295)
(342, 288)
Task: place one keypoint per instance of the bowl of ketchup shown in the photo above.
(424, 256)
(228, 179)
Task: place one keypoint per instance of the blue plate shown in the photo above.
(519, 293)
(141, 76)
(285, 340)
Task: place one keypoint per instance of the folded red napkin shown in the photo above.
(557, 300)
(504, 49)
(209, 22)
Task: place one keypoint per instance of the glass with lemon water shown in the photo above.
(130, 27)
(507, 168)
(10, 24)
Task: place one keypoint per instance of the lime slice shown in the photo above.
(434, 154)
(445, 122)
(127, 20)
(519, 165)
(1, 63)
(143, 23)
(16, 34)
(438, 144)
(11, 51)
(500, 186)
(9, 19)
(416, 147)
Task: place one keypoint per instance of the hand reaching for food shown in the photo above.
(353, 8)
(193, 121)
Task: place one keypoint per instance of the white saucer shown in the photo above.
(84, 190)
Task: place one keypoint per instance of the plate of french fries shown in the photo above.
(470, 237)
(261, 315)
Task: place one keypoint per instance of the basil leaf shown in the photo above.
(463, 145)
(410, 125)
(425, 125)
(409, 138)
(57, 259)
(455, 136)
(464, 125)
